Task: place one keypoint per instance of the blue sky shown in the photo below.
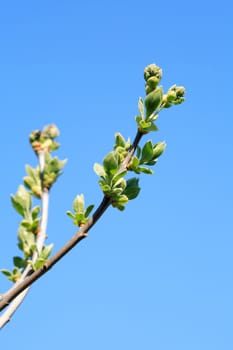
(158, 275)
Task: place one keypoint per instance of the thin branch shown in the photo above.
(34, 275)
(77, 238)
(41, 236)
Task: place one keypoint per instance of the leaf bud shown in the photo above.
(153, 100)
(165, 102)
(158, 149)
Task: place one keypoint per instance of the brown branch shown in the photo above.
(77, 238)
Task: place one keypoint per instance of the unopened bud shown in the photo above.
(152, 71)
(51, 131)
(34, 136)
(175, 94)
(158, 149)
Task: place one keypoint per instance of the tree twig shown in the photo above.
(41, 236)
(32, 276)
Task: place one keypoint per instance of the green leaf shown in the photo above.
(139, 151)
(68, 213)
(153, 100)
(145, 170)
(120, 202)
(105, 188)
(22, 201)
(147, 152)
(99, 170)
(6, 272)
(88, 210)
(46, 251)
(111, 162)
(132, 188)
(144, 125)
(141, 107)
(35, 211)
(118, 176)
(138, 119)
(151, 128)
(135, 161)
(119, 140)
(19, 262)
(26, 224)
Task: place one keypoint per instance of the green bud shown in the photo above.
(152, 71)
(175, 94)
(158, 149)
(153, 100)
(34, 136)
(153, 81)
(165, 102)
(51, 131)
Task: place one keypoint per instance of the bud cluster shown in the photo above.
(44, 140)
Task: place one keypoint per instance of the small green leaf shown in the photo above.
(35, 212)
(132, 188)
(68, 213)
(153, 100)
(135, 161)
(141, 107)
(99, 170)
(145, 170)
(88, 210)
(147, 152)
(138, 153)
(111, 162)
(119, 140)
(19, 262)
(144, 125)
(105, 188)
(151, 128)
(118, 176)
(22, 201)
(46, 251)
(6, 272)
(120, 202)
(138, 119)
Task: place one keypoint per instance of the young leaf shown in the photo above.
(6, 272)
(152, 127)
(22, 201)
(99, 170)
(118, 176)
(88, 210)
(141, 107)
(147, 152)
(68, 213)
(46, 251)
(145, 170)
(19, 262)
(132, 189)
(119, 140)
(35, 212)
(111, 162)
(138, 119)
